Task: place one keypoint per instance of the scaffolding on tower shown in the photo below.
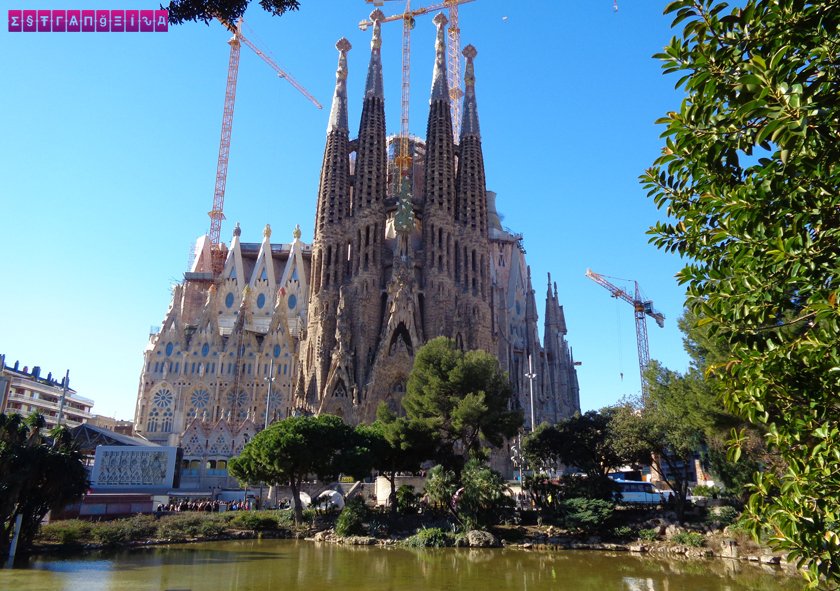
(453, 78)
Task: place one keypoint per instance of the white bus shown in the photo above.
(638, 492)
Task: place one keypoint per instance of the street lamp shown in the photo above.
(531, 375)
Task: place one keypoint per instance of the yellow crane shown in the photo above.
(642, 308)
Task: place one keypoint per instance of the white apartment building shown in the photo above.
(25, 391)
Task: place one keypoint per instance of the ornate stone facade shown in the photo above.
(396, 260)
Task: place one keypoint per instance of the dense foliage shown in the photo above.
(395, 444)
(750, 180)
(464, 397)
(294, 448)
(351, 520)
(656, 432)
(181, 11)
(582, 444)
(37, 475)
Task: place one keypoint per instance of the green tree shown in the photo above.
(37, 475)
(701, 398)
(750, 179)
(483, 498)
(476, 498)
(295, 448)
(660, 431)
(582, 441)
(181, 11)
(463, 396)
(395, 444)
(441, 485)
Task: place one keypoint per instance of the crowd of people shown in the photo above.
(206, 505)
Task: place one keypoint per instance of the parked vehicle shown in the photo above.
(638, 492)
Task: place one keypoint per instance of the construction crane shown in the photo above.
(217, 213)
(641, 309)
(454, 42)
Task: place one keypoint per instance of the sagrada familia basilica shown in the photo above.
(333, 326)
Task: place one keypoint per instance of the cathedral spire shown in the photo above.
(334, 189)
(373, 86)
(338, 113)
(472, 190)
(440, 147)
(440, 87)
(371, 151)
(469, 125)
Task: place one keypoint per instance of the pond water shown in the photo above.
(274, 565)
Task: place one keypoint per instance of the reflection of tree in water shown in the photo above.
(277, 564)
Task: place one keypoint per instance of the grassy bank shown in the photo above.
(179, 527)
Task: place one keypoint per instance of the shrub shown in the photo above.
(441, 485)
(111, 533)
(212, 528)
(623, 532)
(70, 531)
(649, 535)
(484, 498)
(255, 520)
(407, 500)
(123, 531)
(586, 515)
(722, 516)
(702, 490)
(180, 527)
(688, 538)
(432, 537)
(351, 520)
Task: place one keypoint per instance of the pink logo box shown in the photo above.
(88, 21)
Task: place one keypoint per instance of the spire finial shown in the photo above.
(440, 88)
(373, 86)
(237, 231)
(267, 231)
(469, 125)
(296, 232)
(338, 113)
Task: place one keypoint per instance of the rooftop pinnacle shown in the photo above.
(373, 86)
(338, 113)
(440, 88)
(469, 124)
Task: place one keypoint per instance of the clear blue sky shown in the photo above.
(109, 146)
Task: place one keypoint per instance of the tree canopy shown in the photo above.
(181, 11)
(750, 180)
(37, 475)
(581, 441)
(660, 430)
(294, 448)
(395, 444)
(463, 396)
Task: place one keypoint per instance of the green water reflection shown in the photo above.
(273, 565)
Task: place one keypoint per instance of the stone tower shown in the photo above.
(390, 273)
(329, 248)
(400, 255)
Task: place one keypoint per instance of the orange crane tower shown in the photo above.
(407, 18)
(642, 308)
(217, 213)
